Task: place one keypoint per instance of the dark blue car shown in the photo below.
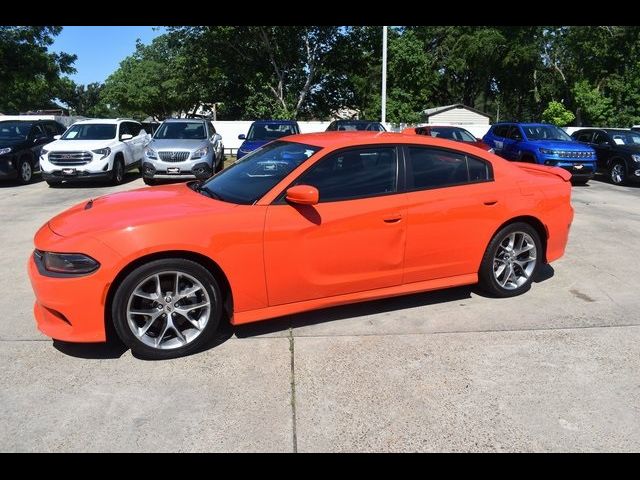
(264, 131)
(544, 144)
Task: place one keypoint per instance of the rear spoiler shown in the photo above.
(559, 172)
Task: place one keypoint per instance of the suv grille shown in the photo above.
(174, 156)
(70, 158)
(570, 154)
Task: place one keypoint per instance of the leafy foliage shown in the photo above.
(557, 114)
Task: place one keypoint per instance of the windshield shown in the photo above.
(181, 131)
(247, 180)
(14, 130)
(360, 126)
(621, 137)
(271, 131)
(451, 133)
(545, 132)
(91, 131)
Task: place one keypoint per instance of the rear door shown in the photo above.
(129, 151)
(138, 140)
(511, 148)
(604, 147)
(497, 138)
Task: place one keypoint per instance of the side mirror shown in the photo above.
(57, 137)
(303, 195)
(242, 136)
(126, 136)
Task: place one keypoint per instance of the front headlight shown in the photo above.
(105, 152)
(44, 151)
(636, 158)
(546, 151)
(72, 263)
(4, 151)
(151, 153)
(201, 152)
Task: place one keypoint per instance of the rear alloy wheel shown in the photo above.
(167, 308)
(117, 175)
(618, 173)
(511, 260)
(25, 171)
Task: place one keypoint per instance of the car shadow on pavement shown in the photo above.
(37, 178)
(93, 351)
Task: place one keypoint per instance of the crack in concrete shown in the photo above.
(293, 391)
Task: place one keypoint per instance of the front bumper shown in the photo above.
(166, 170)
(72, 309)
(96, 169)
(78, 176)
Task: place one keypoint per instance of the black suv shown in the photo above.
(617, 151)
(20, 145)
(355, 125)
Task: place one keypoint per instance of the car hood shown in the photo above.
(251, 145)
(78, 145)
(4, 143)
(177, 144)
(563, 145)
(135, 207)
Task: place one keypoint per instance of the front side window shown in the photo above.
(545, 132)
(601, 138)
(584, 137)
(37, 132)
(90, 131)
(134, 128)
(181, 131)
(249, 179)
(212, 130)
(433, 168)
(514, 133)
(50, 128)
(354, 173)
(271, 131)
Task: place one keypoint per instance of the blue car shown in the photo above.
(262, 132)
(544, 144)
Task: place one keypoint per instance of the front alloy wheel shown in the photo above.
(618, 173)
(167, 308)
(25, 172)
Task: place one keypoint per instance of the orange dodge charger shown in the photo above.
(305, 222)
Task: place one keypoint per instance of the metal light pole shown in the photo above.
(384, 74)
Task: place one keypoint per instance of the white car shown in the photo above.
(94, 149)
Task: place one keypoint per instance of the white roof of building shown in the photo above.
(435, 110)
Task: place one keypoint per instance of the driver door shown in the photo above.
(511, 148)
(353, 240)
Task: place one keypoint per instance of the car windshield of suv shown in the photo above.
(247, 180)
(621, 137)
(451, 133)
(181, 131)
(545, 132)
(359, 126)
(90, 131)
(14, 130)
(271, 131)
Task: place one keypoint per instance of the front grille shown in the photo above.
(174, 157)
(70, 158)
(570, 154)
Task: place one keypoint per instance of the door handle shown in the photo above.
(490, 202)
(396, 217)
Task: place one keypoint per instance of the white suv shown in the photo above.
(94, 149)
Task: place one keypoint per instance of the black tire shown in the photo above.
(618, 172)
(25, 171)
(118, 171)
(53, 183)
(219, 166)
(487, 280)
(580, 181)
(131, 281)
(149, 181)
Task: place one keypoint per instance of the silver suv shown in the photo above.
(183, 148)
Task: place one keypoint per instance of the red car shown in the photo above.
(304, 222)
(449, 132)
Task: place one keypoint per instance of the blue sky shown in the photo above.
(101, 49)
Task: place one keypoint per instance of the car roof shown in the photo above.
(344, 120)
(113, 121)
(279, 122)
(178, 120)
(354, 138)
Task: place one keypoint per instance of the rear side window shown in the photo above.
(584, 137)
(434, 168)
(355, 173)
(600, 139)
(500, 131)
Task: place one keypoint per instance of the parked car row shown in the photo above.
(191, 147)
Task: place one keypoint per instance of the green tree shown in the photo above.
(30, 75)
(557, 114)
